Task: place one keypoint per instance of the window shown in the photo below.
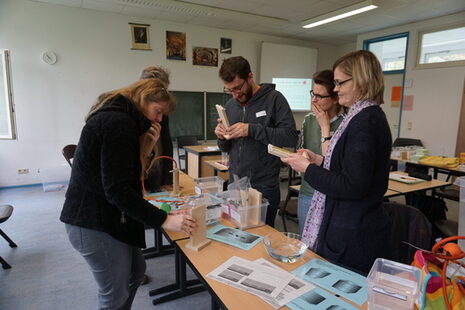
(442, 46)
(390, 50)
(7, 127)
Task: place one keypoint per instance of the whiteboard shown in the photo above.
(287, 61)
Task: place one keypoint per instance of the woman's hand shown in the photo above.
(297, 162)
(149, 139)
(180, 221)
(322, 118)
(302, 159)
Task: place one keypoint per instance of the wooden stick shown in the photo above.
(224, 117)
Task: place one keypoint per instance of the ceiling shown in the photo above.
(277, 17)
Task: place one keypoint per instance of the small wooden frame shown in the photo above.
(199, 240)
(277, 151)
(223, 116)
(253, 205)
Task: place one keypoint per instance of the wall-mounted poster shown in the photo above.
(140, 34)
(225, 46)
(205, 56)
(175, 45)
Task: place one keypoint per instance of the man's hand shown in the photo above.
(238, 130)
(322, 118)
(220, 131)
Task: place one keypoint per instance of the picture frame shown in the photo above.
(140, 37)
(205, 56)
(175, 45)
(225, 46)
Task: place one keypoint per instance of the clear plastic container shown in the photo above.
(245, 217)
(393, 286)
(212, 203)
(208, 185)
(54, 177)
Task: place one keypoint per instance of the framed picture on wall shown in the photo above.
(225, 46)
(140, 34)
(205, 56)
(175, 45)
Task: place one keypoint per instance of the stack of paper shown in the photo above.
(404, 178)
(274, 285)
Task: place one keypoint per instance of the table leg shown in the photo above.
(182, 287)
(159, 249)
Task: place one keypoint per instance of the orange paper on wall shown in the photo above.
(396, 93)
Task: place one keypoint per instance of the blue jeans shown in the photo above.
(274, 196)
(118, 268)
(302, 210)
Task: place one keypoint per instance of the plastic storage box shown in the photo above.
(208, 185)
(54, 177)
(211, 202)
(245, 217)
(393, 285)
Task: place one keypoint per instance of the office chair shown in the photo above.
(183, 141)
(410, 225)
(68, 153)
(5, 213)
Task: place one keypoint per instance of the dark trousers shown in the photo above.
(274, 197)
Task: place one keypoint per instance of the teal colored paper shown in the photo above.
(318, 299)
(336, 279)
(235, 237)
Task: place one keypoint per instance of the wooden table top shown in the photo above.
(410, 188)
(202, 149)
(214, 164)
(216, 253)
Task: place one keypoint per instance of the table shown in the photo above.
(216, 253)
(218, 169)
(436, 169)
(197, 155)
(182, 287)
(404, 188)
(389, 192)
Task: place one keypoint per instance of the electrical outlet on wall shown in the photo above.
(23, 170)
(409, 125)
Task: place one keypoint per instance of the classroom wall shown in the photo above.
(437, 92)
(94, 56)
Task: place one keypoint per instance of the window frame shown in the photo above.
(6, 75)
(445, 64)
(366, 45)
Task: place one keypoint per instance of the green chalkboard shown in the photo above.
(188, 119)
(212, 115)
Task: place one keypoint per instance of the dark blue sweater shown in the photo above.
(355, 228)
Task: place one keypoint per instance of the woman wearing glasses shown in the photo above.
(317, 129)
(346, 222)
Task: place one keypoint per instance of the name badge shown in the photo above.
(260, 114)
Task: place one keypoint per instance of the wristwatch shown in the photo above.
(323, 139)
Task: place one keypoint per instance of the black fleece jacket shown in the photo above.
(270, 121)
(104, 192)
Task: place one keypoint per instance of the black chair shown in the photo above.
(288, 207)
(183, 141)
(408, 224)
(5, 213)
(68, 153)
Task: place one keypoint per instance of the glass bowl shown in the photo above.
(285, 247)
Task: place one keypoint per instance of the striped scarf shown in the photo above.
(317, 206)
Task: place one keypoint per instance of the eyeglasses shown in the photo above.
(318, 96)
(235, 89)
(339, 84)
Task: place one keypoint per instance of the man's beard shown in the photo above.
(247, 95)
